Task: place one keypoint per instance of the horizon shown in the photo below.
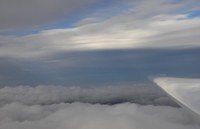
(94, 64)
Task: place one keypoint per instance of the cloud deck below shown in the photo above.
(57, 107)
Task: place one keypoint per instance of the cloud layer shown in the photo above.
(48, 107)
(87, 116)
(47, 95)
(137, 26)
(22, 14)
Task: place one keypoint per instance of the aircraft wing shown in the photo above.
(186, 92)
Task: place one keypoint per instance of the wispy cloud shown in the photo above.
(163, 28)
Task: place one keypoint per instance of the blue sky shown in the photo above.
(194, 14)
(97, 42)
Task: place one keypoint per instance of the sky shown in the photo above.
(97, 42)
(90, 64)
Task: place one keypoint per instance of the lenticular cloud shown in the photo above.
(57, 107)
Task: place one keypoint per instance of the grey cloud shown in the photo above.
(90, 116)
(50, 107)
(23, 14)
(155, 7)
(126, 30)
(47, 95)
(155, 33)
(47, 107)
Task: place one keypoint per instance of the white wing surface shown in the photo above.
(186, 92)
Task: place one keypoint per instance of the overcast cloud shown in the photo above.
(47, 107)
(23, 14)
(87, 116)
(46, 95)
(156, 33)
(170, 26)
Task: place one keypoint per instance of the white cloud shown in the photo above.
(50, 107)
(90, 116)
(86, 21)
(130, 29)
(153, 33)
